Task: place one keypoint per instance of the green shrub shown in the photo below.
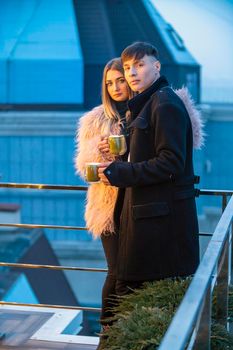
(220, 338)
(141, 328)
(166, 294)
(143, 316)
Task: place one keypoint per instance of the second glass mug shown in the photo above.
(117, 145)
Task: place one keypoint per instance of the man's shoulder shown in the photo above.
(165, 95)
(164, 102)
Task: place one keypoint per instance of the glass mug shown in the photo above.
(91, 172)
(117, 145)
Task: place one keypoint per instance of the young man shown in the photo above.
(158, 231)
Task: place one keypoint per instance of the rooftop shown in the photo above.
(207, 30)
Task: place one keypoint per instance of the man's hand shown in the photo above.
(101, 169)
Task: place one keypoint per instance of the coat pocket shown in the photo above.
(150, 210)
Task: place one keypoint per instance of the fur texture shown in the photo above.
(195, 117)
(101, 199)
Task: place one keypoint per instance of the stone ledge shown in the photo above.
(39, 123)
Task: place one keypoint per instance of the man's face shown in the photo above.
(141, 74)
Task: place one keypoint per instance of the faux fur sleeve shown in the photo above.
(87, 138)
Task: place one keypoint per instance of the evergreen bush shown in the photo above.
(143, 316)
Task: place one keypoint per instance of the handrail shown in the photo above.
(196, 306)
(58, 227)
(216, 192)
(52, 267)
(84, 188)
(42, 186)
(70, 307)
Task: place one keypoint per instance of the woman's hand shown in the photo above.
(101, 169)
(103, 147)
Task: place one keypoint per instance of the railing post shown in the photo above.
(224, 202)
(231, 253)
(231, 267)
(203, 329)
(222, 285)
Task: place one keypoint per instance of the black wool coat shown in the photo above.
(158, 233)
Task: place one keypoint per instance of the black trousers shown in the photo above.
(112, 286)
(110, 246)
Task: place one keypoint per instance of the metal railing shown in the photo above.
(195, 308)
(57, 227)
(191, 326)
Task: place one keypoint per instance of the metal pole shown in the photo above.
(224, 202)
(43, 226)
(203, 329)
(51, 267)
(222, 285)
(70, 307)
(42, 186)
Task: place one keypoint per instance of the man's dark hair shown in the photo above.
(138, 50)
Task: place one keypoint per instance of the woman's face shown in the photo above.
(117, 86)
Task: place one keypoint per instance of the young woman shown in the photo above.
(92, 146)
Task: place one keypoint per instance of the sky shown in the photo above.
(207, 30)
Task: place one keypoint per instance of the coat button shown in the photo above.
(108, 172)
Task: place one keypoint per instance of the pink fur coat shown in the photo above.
(101, 199)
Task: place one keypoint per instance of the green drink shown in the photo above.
(117, 145)
(91, 174)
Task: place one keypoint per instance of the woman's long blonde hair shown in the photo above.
(109, 105)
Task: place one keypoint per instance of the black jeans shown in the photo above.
(112, 286)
